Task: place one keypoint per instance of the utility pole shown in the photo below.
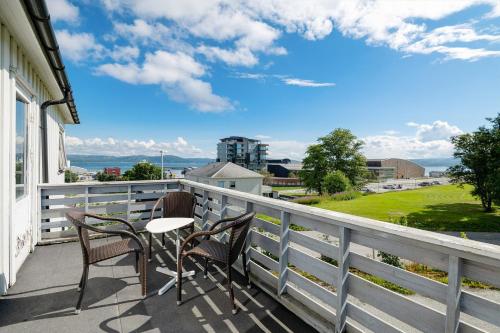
(161, 152)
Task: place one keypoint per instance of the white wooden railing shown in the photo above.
(336, 298)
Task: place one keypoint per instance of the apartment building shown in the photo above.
(245, 152)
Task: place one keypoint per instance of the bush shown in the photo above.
(389, 259)
(345, 196)
(335, 182)
(307, 200)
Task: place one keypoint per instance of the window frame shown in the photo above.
(22, 97)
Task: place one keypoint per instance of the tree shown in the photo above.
(104, 177)
(479, 155)
(340, 150)
(70, 176)
(314, 168)
(143, 171)
(335, 182)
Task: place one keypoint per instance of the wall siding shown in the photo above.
(18, 239)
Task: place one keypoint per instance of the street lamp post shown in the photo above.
(161, 152)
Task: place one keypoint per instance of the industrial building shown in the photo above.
(245, 152)
(394, 168)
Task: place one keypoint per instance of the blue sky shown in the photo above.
(403, 76)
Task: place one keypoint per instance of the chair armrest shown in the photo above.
(116, 232)
(154, 208)
(200, 234)
(114, 219)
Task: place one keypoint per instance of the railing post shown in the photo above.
(204, 211)
(223, 206)
(129, 198)
(248, 241)
(453, 294)
(283, 255)
(342, 278)
(86, 207)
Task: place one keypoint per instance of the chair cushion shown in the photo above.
(111, 250)
(210, 249)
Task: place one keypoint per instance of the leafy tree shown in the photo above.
(104, 177)
(479, 155)
(340, 150)
(70, 176)
(314, 168)
(143, 171)
(335, 182)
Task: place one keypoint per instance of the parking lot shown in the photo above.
(405, 184)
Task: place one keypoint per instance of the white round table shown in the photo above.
(160, 226)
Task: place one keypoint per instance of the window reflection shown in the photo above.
(21, 108)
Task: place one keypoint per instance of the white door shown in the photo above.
(21, 229)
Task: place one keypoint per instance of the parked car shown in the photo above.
(424, 184)
(436, 182)
(389, 187)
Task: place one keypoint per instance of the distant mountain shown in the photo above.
(76, 159)
(436, 162)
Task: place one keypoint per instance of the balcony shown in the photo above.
(311, 270)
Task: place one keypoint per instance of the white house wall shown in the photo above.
(19, 237)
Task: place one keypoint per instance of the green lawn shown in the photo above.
(437, 208)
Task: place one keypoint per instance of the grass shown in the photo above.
(442, 277)
(436, 208)
(285, 188)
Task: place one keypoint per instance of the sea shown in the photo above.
(175, 168)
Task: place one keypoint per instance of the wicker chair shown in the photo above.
(130, 243)
(175, 204)
(225, 253)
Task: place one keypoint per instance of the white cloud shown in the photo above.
(238, 57)
(63, 10)
(115, 147)
(124, 53)
(306, 83)
(438, 130)
(177, 73)
(238, 33)
(429, 140)
(287, 149)
(262, 136)
(79, 46)
(284, 79)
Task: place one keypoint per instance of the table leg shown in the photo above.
(167, 271)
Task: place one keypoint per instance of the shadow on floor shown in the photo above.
(44, 297)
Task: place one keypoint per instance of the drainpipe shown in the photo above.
(45, 134)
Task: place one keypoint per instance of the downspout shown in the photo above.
(45, 133)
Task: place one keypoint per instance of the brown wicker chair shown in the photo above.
(130, 243)
(175, 204)
(225, 253)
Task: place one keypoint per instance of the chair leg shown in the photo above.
(142, 269)
(163, 239)
(231, 291)
(150, 245)
(79, 288)
(179, 280)
(192, 231)
(245, 270)
(205, 272)
(84, 284)
(136, 262)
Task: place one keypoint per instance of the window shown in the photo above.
(232, 184)
(21, 140)
(62, 162)
(220, 184)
